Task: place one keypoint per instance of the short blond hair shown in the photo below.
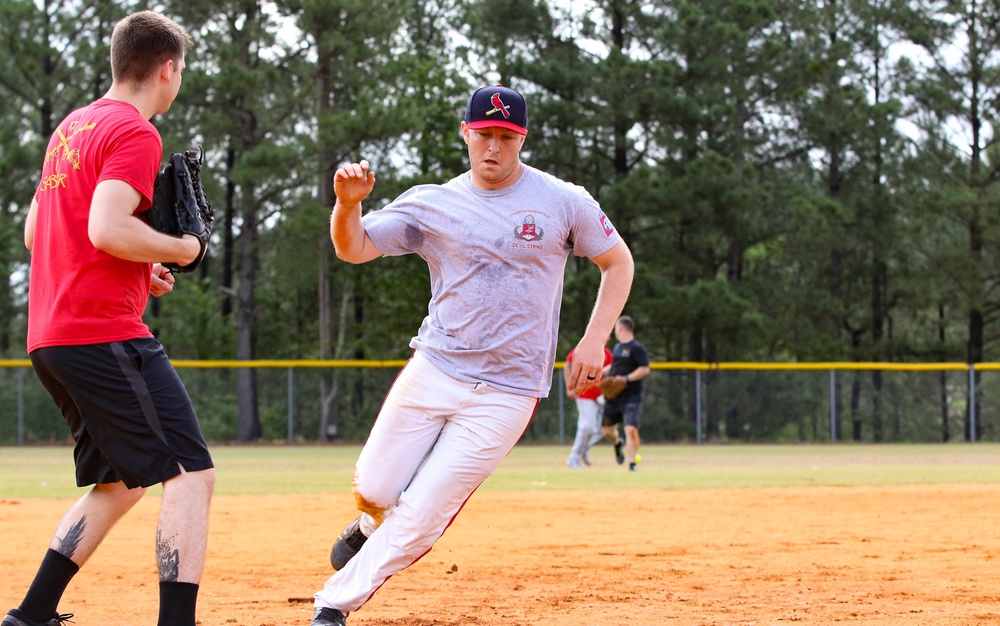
(143, 41)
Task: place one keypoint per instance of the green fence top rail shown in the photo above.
(659, 365)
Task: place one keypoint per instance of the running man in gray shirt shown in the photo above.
(496, 240)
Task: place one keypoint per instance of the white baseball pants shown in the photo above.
(588, 427)
(436, 439)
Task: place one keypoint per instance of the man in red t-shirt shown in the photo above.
(588, 417)
(94, 263)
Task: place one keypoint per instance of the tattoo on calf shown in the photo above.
(67, 545)
(167, 559)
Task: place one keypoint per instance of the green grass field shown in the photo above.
(47, 472)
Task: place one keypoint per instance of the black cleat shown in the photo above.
(347, 545)
(16, 618)
(328, 617)
(619, 455)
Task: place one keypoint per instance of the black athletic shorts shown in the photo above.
(618, 410)
(128, 411)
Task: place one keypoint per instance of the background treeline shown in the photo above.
(798, 180)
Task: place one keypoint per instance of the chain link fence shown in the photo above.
(683, 402)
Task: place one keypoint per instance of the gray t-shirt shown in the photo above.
(496, 261)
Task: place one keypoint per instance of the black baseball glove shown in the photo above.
(179, 204)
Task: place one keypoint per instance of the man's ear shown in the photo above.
(166, 70)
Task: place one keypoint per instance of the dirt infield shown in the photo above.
(913, 555)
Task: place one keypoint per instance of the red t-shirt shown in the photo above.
(78, 294)
(593, 393)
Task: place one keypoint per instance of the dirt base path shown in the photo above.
(913, 555)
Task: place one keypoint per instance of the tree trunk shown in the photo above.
(943, 381)
(878, 420)
(856, 407)
(248, 426)
(943, 401)
(228, 236)
(976, 235)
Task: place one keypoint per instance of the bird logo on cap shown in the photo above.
(499, 106)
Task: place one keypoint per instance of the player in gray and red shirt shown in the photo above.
(588, 418)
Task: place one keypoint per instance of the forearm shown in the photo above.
(132, 239)
(637, 374)
(114, 227)
(346, 230)
(352, 183)
(616, 284)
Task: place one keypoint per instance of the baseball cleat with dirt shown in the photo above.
(348, 544)
(328, 617)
